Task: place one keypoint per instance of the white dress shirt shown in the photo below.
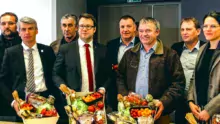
(40, 85)
(83, 63)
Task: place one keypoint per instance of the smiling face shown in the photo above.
(127, 29)
(148, 33)
(188, 32)
(211, 29)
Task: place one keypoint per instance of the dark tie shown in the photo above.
(89, 68)
(30, 74)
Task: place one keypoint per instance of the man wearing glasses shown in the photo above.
(9, 37)
(83, 61)
(69, 29)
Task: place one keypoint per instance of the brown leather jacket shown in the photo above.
(166, 76)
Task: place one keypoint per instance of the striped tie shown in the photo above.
(30, 74)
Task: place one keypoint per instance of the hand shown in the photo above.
(160, 106)
(16, 108)
(195, 109)
(102, 91)
(204, 115)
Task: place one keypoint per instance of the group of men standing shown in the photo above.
(139, 64)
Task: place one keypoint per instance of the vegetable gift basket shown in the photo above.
(85, 107)
(37, 109)
(133, 109)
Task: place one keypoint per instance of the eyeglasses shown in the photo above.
(87, 27)
(9, 23)
(211, 26)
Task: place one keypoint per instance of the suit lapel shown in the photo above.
(75, 52)
(215, 59)
(42, 56)
(96, 56)
(20, 59)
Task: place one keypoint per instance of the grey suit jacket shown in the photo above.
(213, 105)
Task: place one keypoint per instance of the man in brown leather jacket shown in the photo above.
(152, 68)
(69, 28)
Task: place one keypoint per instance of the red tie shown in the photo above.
(89, 68)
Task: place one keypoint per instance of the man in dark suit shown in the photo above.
(115, 50)
(27, 67)
(187, 50)
(80, 65)
(9, 37)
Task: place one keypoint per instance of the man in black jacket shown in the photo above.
(187, 50)
(9, 37)
(115, 50)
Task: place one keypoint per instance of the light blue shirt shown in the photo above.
(188, 61)
(143, 71)
(123, 48)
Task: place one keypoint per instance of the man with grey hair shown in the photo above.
(69, 28)
(9, 37)
(152, 68)
(27, 67)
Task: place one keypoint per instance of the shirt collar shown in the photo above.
(25, 47)
(82, 43)
(195, 47)
(132, 41)
(152, 48)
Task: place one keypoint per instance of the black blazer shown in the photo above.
(112, 55)
(178, 47)
(67, 67)
(112, 59)
(13, 74)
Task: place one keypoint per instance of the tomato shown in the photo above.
(91, 108)
(100, 105)
(43, 111)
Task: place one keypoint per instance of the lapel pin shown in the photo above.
(42, 50)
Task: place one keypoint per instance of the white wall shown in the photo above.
(43, 11)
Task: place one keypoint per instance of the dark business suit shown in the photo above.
(112, 59)
(13, 73)
(67, 67)
(182, 107)
(5, 107)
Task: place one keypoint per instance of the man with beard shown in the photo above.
(9, 37)
(69, 29)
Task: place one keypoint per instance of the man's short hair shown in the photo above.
(194, 20)
(11, 14)
(150, 19)
(124, 17)
(28, 20)
(213, 14)
(67, 16)
(88, 16)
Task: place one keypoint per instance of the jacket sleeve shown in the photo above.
(190, 96)
(177, 84)
(213, 106)
(121, 76)
(58, 68)
(5, 78)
